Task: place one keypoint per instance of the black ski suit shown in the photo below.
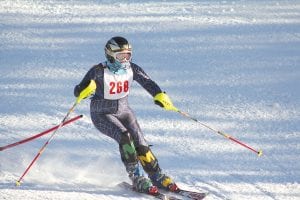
(111, 113)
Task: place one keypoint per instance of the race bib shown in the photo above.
(116, 86)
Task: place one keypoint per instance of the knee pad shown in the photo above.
(147, 159)
(127, 149)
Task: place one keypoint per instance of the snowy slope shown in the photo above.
(233, 65)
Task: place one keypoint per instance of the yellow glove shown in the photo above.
(163, 100)
(89, 90)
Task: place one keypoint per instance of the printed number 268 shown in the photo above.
(118, 87)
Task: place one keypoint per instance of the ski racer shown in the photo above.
(112, 116)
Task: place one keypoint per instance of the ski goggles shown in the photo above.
(123, 56)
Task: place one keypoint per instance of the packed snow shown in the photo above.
(233, 65)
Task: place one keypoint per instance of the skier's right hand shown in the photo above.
(77, 91)
(82, 92)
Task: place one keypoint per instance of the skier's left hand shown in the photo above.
(163, 100)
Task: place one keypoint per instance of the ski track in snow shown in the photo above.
(234, 65)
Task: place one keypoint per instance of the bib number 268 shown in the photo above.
(118, 87)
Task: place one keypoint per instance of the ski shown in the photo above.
(191, 194)
(158, 195)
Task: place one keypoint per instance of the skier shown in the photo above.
(112, 116)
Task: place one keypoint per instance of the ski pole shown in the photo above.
(163, 100)
(40, 134)
(18, 183)
(85, 93)
(259, 152)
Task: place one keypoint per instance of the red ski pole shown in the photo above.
(258, 152)
(84, 94)
(163, 100)
(40, 134)
(18, 183)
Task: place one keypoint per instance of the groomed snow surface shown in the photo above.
(233, 65)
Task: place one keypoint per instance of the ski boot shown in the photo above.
(139, 182)
(144, 185)
(163, 181)
(151, 166)
(130, 160)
